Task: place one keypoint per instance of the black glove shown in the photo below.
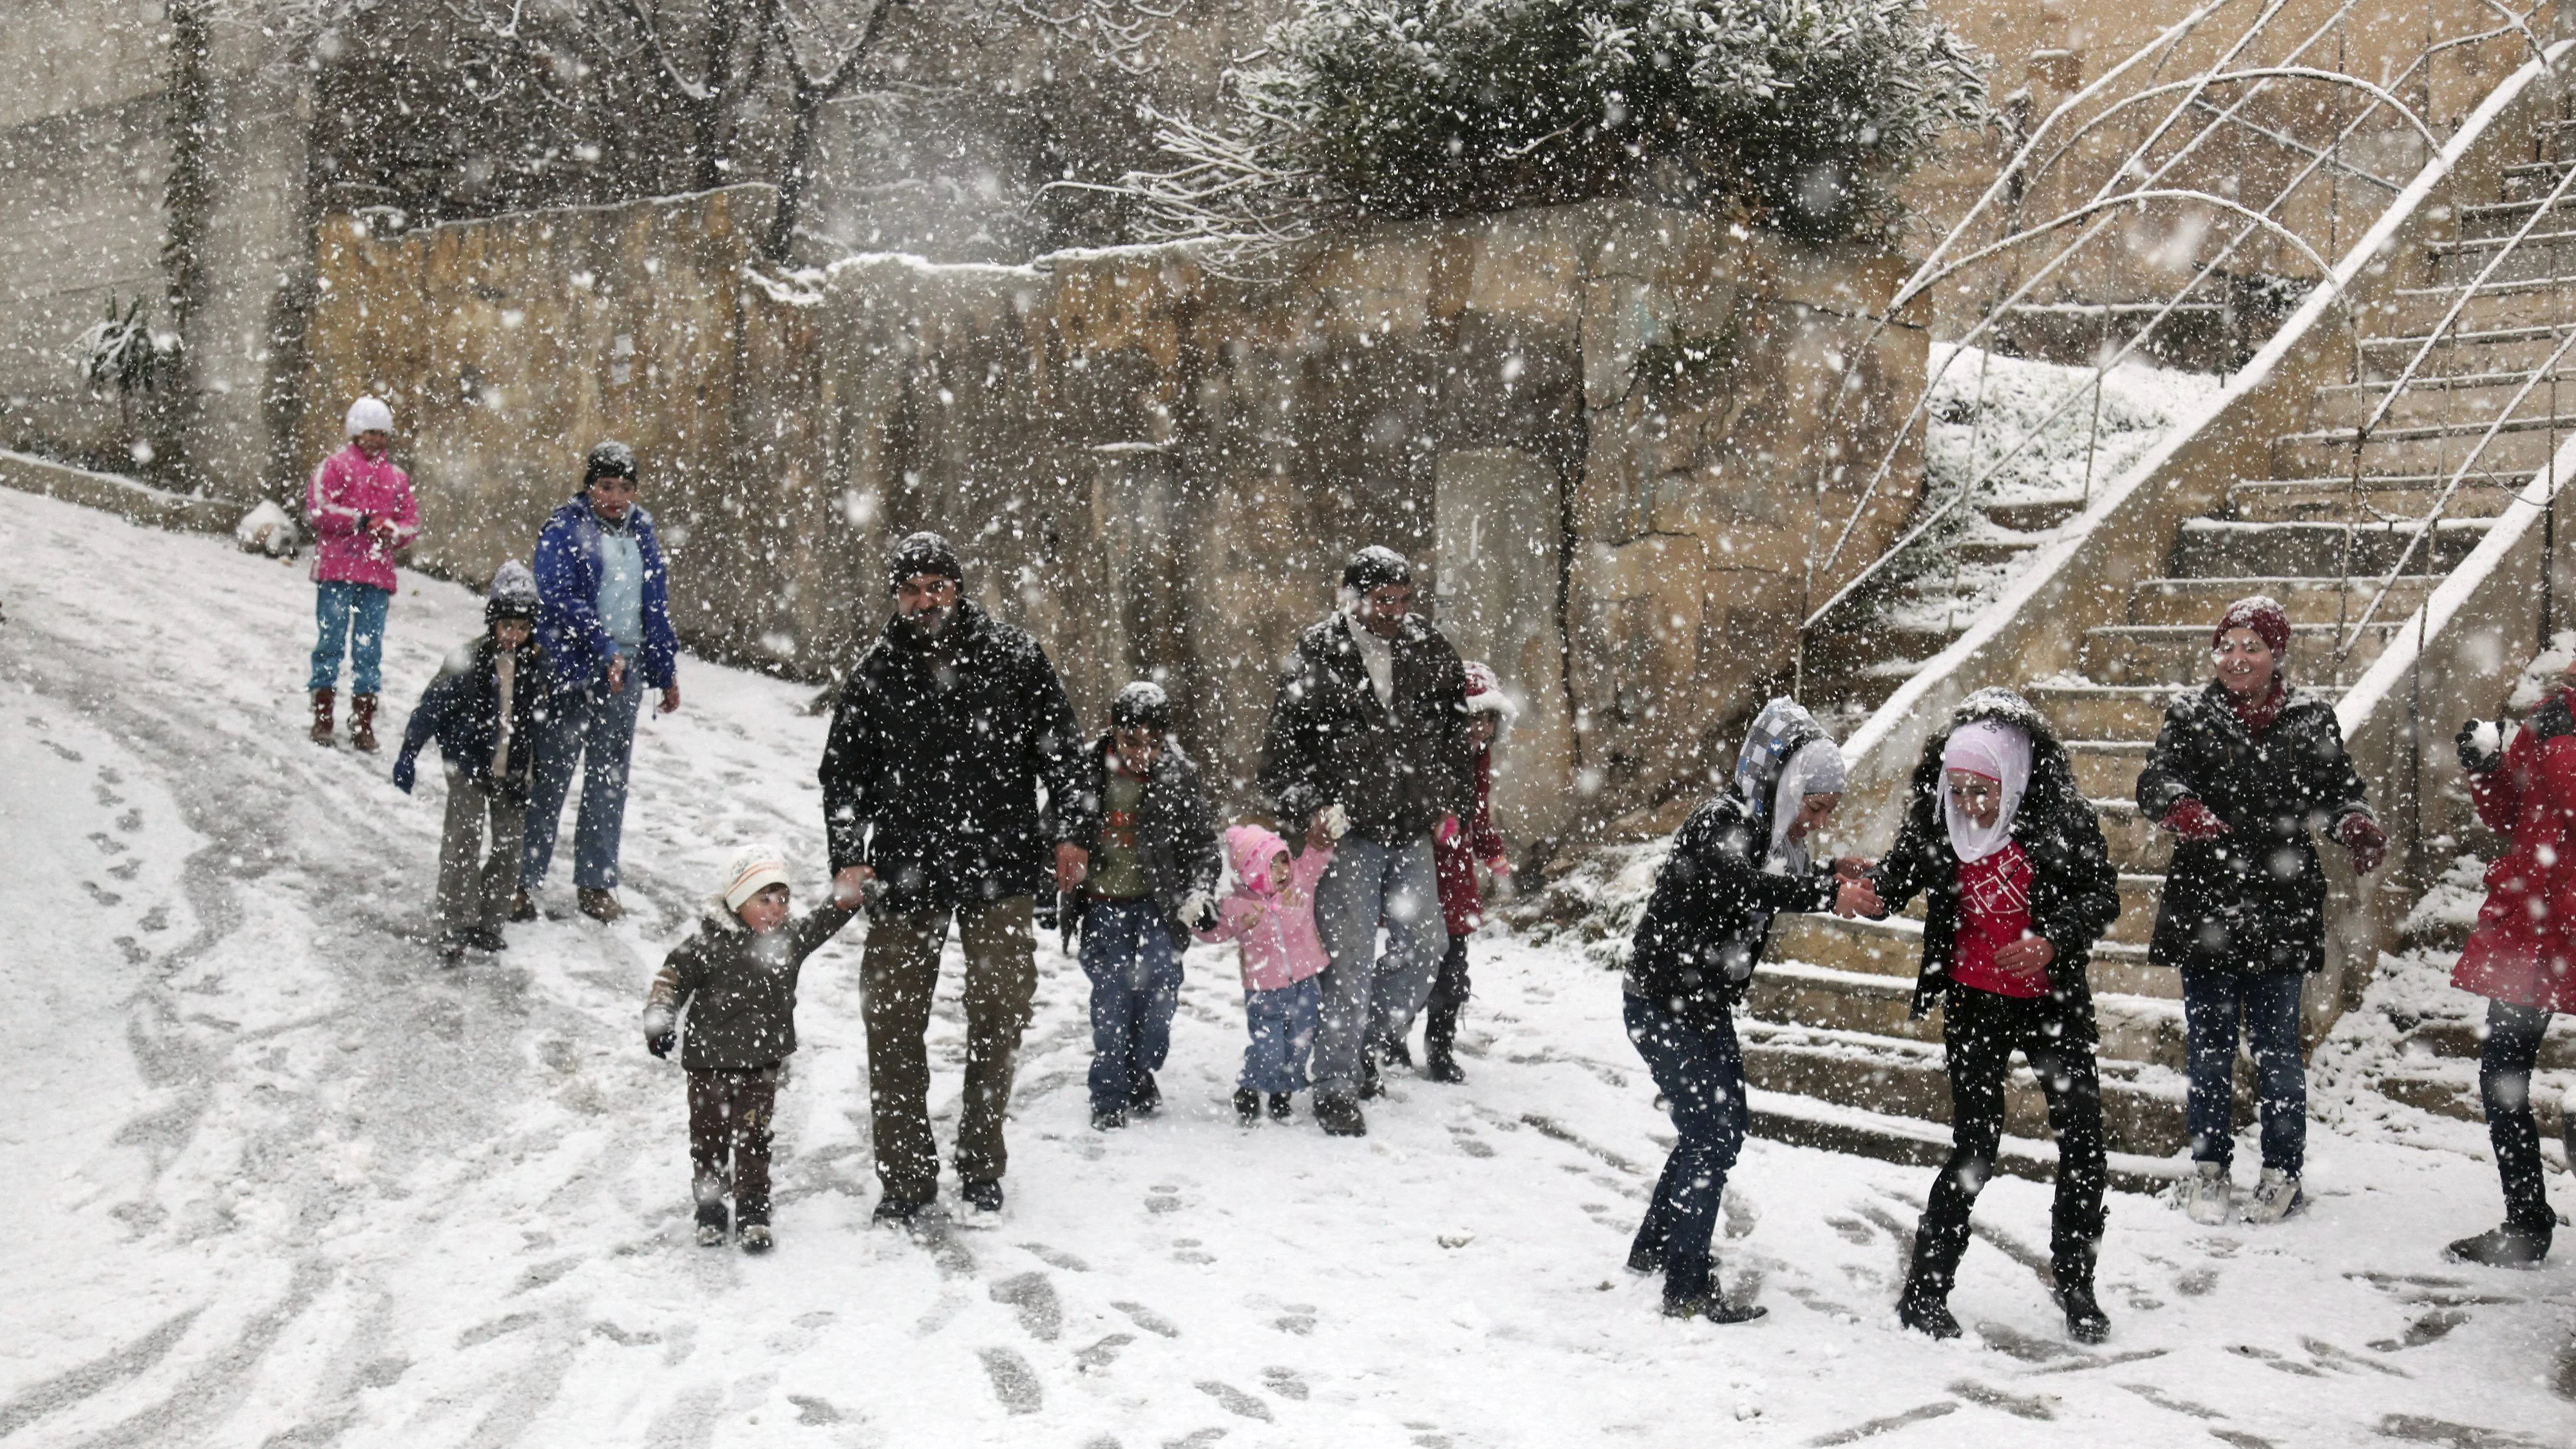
(2476, 756)
(660, 1043)
(403, 774)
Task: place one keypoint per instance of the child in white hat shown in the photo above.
(735, 977)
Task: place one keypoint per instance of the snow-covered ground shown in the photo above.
(281, 1180)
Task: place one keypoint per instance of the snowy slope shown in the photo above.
(282, 1181)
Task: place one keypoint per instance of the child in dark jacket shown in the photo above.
(486, 708)
(736, 980)
(1151, 880)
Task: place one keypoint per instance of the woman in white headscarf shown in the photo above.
(2019, 885)
(1741, 859)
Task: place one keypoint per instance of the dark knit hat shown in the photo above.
(611, 459)
(922, 553)
(514, 594)
(1141, 705)
(1375, 567)
(2261, 613)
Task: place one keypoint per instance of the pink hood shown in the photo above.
(1273, 922)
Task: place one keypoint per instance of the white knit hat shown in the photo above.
(754, 868)
(370, 415)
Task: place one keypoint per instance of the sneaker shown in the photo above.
(1339, 1116)
(486, 939)
(1108, 1119)
(756, 1239)
(1280, 1107)
(600, 905)
(1439, 1066)
(2275, 1197)
(1929, 1316)
(984, 1197)
(523, 907)
(2207, 1195)
(1144, 1098)
(2085, 1320)
(1247, 1106)
(710, 1236)
(2508, 1246)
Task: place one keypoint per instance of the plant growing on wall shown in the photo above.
(121, 354)
(1801, 112)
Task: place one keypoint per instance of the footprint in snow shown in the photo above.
(1033, 1298)
(1014, 1382)
(1104, 1352)
(1235, 1401)
(1284, 1382)
(1055, 1257)
(1148, 1320)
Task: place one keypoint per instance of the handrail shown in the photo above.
(2190, 121)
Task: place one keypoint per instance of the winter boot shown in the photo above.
(362, 722)
(1247, 1106)
(985, 1196)
(756, 1238)
(1108, 1119)
(2206, 1194)
(1439, 1031)
(1397, 1050)
(523, 907)
(2275, 1197)
(1144, 1098)
(321, 716)
(2508, 1246)
(2085, 1320)
(600, 905)
(710, 1235)
(1927, 1315)
(1280, 1107)
(901, 1212)
(487, 939)
(1371, 1086)
(1690, 1291)
(1646, 1255)
(1925, 1306)
(1339, 1115)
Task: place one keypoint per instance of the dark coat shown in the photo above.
(2074, 891)
(1710, 915)
(1397, 771)
(1175, 833)
(739, 988)
(2254, 899)
(934, 765)
(568, 621)
(461, 709)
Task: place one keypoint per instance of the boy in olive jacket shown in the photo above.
(736, 977)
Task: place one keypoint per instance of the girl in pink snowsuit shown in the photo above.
(1271, 918)
(360, 508)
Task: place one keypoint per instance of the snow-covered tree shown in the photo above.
(1801, 111)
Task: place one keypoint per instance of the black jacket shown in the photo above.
(461, 709)
(1396, 770)
(934, 765)
(1175, 833)
(2254, 899)
(2074, 892)
(739, 988)
(1710, 915)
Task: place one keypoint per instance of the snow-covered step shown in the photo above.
(2133, 1028)
(2223, 548)
(2200, 601)
(2179, 653)
(2108, 769)
(2519, 445)
(2102, 711)
(2520, 346)
(2369, 500)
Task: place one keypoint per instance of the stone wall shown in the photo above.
(1605, 431)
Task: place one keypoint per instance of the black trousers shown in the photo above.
(2504, 1082)
(1982, 1031)
(1448, 994)
(729, 1117)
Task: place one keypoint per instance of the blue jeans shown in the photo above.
(349, 617)
(1366, 995)
(1135, 985)
(1701, 1074)
(593, 731)
(2216, 1004)
(1282, 1023)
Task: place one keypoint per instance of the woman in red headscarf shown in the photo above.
(2522, 956)
(2242, 773)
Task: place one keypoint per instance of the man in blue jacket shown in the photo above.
(603, 608)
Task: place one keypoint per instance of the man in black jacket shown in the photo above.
(948, 727)
(1369, 734)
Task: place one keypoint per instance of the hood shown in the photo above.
(1248, 852)
(1783, 728)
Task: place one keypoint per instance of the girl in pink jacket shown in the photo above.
(1271, 918)
(360, 508)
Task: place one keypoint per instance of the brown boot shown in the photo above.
(522, 908)
(321, 716)
(362, 722)
(600, 905)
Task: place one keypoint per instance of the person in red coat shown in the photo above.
(1457, 848)
(2522, 956)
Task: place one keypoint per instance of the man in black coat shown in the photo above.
(948, 728)
(1369, 734)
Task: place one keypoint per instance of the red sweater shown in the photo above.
(1461, 908)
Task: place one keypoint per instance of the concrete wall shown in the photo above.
(1595, 427)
